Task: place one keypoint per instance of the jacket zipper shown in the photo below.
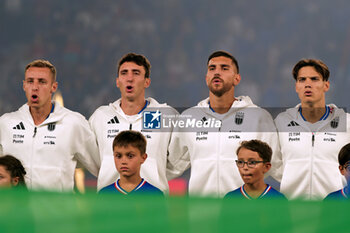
(218, 161)
(31, 157)
(34, 132)
(312, 161)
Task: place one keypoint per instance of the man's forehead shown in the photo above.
(220, 61)
(131, 66)
(38, 72)
(308, 71)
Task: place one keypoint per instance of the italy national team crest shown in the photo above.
(335, 122)
(152, 119)
(51, 126)
(239, 118)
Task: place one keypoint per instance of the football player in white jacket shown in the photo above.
(311, 135)
(211, 132)
(47, 138)
(131, 112)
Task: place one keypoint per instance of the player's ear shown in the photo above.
(117, 81)
(54, 87)
(326, 86)
(207, 80)
(236, 79)
(147, 82)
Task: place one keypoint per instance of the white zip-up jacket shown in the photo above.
(108, 121)
(49, 152)
(211, 151)
(310, 152)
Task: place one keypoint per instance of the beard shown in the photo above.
(219, 91)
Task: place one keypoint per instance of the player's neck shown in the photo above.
(313, 112)
(39, 114)
(221, 104)
(132, 107)
(256, 189)
(129, 183)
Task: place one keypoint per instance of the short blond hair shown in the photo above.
(43, 64)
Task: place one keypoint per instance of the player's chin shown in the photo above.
(33, 103)
(130, 96)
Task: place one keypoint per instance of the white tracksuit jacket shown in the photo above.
(310, 152)
(49, 152)
(108, 121)
(211, 153)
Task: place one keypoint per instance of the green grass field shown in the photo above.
(42, 212)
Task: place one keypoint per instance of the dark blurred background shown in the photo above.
(84, 39)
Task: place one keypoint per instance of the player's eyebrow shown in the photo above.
(299, 77)
(133, 70)
(225, 65)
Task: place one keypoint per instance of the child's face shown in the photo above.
(5, 177)
(252, 175)
(128, 160)
(345, 170)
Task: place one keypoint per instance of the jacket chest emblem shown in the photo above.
(51, 126)
(239, 118)
(335, 123)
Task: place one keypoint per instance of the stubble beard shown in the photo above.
(219, 91)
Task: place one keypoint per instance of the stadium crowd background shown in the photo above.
(85, 38)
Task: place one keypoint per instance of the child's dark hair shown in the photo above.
(262, 148)
(131, 137)
(14, 167)
(344, 155)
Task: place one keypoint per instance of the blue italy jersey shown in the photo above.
(341, 194)
(269, 193)
(143, 188)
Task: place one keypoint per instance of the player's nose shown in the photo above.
(129, 77)
(35, 85)
(308, 82)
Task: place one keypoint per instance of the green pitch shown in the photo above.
(69, 213)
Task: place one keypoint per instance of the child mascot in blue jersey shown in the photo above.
(129, 151)
(253, 161)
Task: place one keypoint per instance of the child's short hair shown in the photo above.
(130, 137)
(262, 148)
(14, 167)
(344, 154)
